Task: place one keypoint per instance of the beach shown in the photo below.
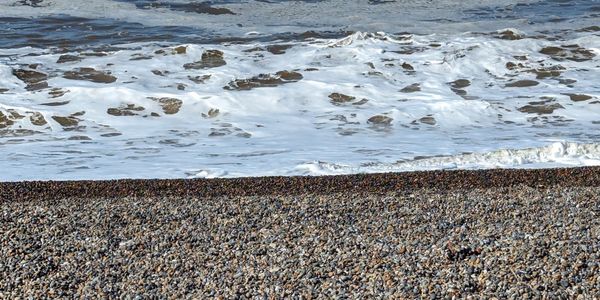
(299, 149)
(441, 234)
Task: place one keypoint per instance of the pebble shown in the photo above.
(438, 234)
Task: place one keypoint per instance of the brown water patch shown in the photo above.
(19, 132)
(56, 103)
(68, 58)
(578, 97)
(66, 121)
(5, 121)
(429, 120)
(212, 113)
(264, 80)
(570, 52)
(199, 79)
(80, 138)
(514, 66)
(407, 50)
(460, 83)
(15, 115)
(95, 54)
(140, 56)
(204, 7)
(459, 92)
(35, 80)
(566, 81)
(228, 129)
(589, 29)
(170, 106)
(380, 120)
(172, 51)
(361, 101)
(553, 71)
(289, 75)
(159, 72)
(537, 108)
(111, 134)
(210, 59)
(125, 110)
(339, 98)
(279, 49)
(509, 35)
(415, 87)
(57, 92)
(522, 83)
(90, 74)
(407, 66)
(37, 119)
(520, 57)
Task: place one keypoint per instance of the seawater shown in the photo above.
(182, 89)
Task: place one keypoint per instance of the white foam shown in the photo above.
(286, 129)
(558, 154)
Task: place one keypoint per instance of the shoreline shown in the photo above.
(297, 185)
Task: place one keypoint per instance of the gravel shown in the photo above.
(504, 241)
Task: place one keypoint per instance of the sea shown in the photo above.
(111, 89)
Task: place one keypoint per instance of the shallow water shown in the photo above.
(167, 89)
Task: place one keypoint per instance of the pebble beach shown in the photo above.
(526, 234)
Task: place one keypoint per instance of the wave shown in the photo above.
(552, 155)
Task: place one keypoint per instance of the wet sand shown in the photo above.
(502, 233)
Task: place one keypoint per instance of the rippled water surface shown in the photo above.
(168, 89)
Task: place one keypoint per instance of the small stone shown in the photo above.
(380, 120)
